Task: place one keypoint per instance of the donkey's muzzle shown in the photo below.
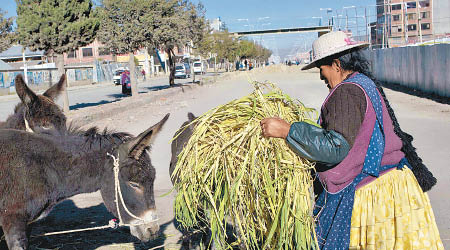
(148, 229)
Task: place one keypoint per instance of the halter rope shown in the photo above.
(118, 194)
(27, 125)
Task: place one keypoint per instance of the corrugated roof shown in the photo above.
(16, 51)
(5, 66)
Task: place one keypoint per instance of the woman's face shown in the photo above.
(330, 75)
(326, 75)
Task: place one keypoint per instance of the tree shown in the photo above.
(181, 24)
(127, 26)
(5, 31)
(56, 27)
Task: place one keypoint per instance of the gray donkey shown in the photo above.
(38, 170)
(36, 110)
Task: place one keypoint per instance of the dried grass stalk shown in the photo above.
(229, 172)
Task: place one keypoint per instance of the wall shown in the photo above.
(441, 18)
(419, 67)
(36, 78)
(40, 78)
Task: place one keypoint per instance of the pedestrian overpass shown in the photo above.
(319, 29)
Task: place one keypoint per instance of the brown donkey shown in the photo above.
(38, 170)
(36, 110)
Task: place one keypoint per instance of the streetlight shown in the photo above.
(318, 17)
(329, 10)
(346, 15)
(260, 37)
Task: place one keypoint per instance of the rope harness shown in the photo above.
(118, 194)
(112, 223)
(27, 125)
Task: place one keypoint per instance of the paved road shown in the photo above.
(92, 95)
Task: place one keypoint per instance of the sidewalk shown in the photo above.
(13, 96)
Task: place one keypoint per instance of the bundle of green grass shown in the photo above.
(229, 173)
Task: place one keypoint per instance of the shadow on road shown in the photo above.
(67, 216)
(90, 104)
(418, 93)
(156, 88)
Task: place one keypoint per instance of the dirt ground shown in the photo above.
(87, 210)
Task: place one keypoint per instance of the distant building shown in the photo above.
(403, 22)
(373, 33)
(15, 54)
(88, 54)
(217, 25)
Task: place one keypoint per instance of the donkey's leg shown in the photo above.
(15, 230)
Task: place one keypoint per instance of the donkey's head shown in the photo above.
(136, 178)
(39, 110)
(182, 137)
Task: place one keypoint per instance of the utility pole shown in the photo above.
(25, 73)
(384, 24)
(365, 20)
(419, 18)
(406, 23)
(346, 20)
(356, 21)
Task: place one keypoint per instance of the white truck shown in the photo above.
(199, 68)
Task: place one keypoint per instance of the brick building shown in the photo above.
(88, 54)
(403, 22)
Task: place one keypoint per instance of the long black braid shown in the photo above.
(356, 61)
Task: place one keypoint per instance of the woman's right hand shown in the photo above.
(275, 127)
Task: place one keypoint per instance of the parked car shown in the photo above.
(199, 68)
(182, 70)
(116, 76)
(125, 82)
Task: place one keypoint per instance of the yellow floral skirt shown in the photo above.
(392, 212)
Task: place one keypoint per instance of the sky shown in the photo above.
(246, 15)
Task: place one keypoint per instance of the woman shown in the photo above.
(372, 199)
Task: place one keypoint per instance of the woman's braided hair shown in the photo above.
(356, 61)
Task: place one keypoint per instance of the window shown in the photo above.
(411, 5)
(411, 16)
(87, 52)
(103, 52)
(425, 14)
(380, 9)
(412, 27)
(423, 4)
(395, 17)
(425, 26)
(396, 7)
(72, 54)
(396, 29)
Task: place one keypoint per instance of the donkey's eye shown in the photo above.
(134, 184)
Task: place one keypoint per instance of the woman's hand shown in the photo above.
(275, 127)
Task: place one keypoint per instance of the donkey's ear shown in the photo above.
(54, 91)
(140, 143)
(191, 116)
(26, 94)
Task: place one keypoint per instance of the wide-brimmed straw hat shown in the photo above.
(330, 44)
